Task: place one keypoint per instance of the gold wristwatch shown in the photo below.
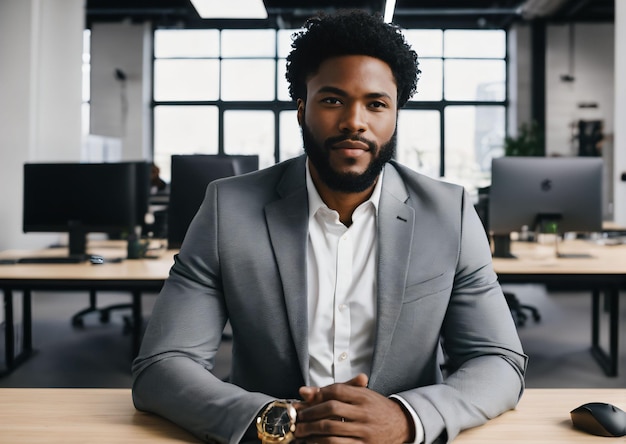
(277, 423)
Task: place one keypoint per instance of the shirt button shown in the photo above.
(343, 356)
(342, 307)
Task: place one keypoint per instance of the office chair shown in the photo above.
(518, 310)
(158, 228)
(104, 313)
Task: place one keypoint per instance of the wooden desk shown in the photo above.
(603, 272)
(135, 276)
(81, 416)
(108, 416)
(542, 416)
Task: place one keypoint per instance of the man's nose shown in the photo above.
(353, 119)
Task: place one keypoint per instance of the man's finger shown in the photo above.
(359, 380)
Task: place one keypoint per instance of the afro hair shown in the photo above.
(351, 32)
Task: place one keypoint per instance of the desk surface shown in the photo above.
(542, 416)
(532, 259)
(80, 416)
(540, 259)
(108, 416)
(155, 269)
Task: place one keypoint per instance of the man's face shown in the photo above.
(349, 120)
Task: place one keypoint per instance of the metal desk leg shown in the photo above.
(27, 323)
(9, 330)
(609, 361)
(137, 322)
(12, 360)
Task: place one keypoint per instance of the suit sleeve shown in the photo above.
(172, 375)
(485, 361)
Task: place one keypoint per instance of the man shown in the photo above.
(348, 280)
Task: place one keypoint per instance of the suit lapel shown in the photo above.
(395, 233)
(287, 221)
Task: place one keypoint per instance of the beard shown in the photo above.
(347, 182)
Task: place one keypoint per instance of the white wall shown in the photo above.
(121, 109)
(593, 73)
(40, 98)
(590, 62)
(619, 139)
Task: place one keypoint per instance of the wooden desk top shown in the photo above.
(542, 416)
(108, 416)
(131, 269)
(534, 258)
(80, 416)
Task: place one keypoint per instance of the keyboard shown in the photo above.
(52, 260)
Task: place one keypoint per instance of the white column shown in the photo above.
(40, 98)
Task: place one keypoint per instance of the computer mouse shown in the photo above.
(599, 418)
(96, 259)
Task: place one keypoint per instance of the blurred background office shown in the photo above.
(150, 80)
(89, 80)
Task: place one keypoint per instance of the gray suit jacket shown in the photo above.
(244, 260)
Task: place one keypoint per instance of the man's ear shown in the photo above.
(301, 104)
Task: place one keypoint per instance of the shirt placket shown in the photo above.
(341, 345)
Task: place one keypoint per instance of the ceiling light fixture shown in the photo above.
(390, 6)
(231, 9)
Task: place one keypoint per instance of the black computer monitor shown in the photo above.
(82, 198)
(565, 192)
(190, 176)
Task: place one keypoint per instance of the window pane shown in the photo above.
(284, 41)
(290, 135)
(250, 132)
(473, 43)
(475, 80)
(248, 79)
(183, 130)
(186, 43)
(426, 42)
(237, 43)
(283, 86)
(186, 79)
(419, 140)
(430, 83)
(474, 135)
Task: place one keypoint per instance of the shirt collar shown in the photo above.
(316, 202)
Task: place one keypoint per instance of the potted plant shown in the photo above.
(528, 142)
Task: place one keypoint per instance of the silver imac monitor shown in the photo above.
(565, 192)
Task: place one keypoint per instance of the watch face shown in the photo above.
(277, 421)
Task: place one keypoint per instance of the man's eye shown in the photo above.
(331, 100)
(378, 105)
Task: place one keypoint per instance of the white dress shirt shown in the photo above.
(341, 291)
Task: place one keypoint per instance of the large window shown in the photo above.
(455, 123)
(215, 92)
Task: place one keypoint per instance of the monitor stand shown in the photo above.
(502, 246)
(77, 242)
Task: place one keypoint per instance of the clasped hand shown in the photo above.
(348, 413)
